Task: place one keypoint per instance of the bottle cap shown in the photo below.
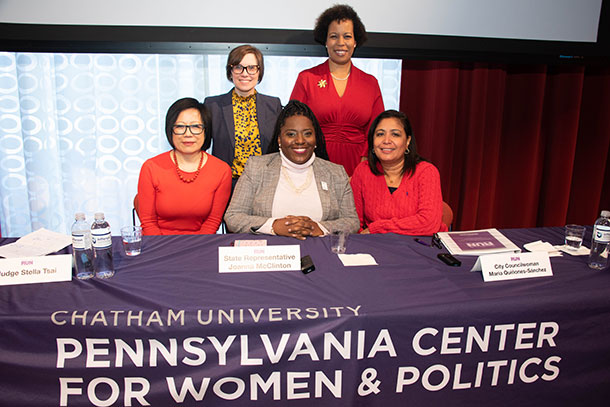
(99, 215)
(605, 214)
(79, 216)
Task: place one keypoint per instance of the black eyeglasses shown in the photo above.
(195, 129)
(238, 69)
(436, 242)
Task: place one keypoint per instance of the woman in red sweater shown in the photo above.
(396, 191)
(184, 190)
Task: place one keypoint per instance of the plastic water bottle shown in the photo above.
(598, 259)
(81, 248)
(102, 247)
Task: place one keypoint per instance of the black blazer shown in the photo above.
(223, 126)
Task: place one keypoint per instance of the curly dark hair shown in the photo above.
(412, 158)
(296, 108)
(183, 104)
(339, 12)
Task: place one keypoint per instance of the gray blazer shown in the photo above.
(252, 199)
(223, 125)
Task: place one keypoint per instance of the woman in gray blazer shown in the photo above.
(242, 119)
(293, 191)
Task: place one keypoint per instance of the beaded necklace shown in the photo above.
(187, 180)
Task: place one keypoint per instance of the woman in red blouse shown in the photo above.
(396, 191)
(344, 99)
(184, 190)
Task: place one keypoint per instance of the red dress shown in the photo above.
(415, 208)
(169, 206)
(344, 120)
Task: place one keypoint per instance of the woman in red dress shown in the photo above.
(344, 99)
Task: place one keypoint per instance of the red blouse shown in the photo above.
(344, 120)
(169, 206)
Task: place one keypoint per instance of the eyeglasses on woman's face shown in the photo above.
(180, 129)
(238, 69)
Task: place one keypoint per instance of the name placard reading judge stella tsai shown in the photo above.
(36, 269)
(259, 258)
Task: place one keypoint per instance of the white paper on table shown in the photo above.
(358, 259)
(250, 242)
(582, 250)
(540, 246)
(37, 243)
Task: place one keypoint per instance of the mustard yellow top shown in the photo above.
(247, 136)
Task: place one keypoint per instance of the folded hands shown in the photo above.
(299, 227)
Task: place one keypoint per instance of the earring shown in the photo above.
(407, 151)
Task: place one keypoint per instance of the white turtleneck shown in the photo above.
(296, 194)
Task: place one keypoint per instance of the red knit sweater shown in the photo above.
(415, 208)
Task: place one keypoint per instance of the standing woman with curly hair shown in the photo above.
(344, 99)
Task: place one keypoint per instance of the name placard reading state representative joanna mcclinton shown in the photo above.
(259, 258)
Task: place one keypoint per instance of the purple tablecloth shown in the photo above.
(411, 331)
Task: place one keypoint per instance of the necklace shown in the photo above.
(341, 79)
(393, 180)
(303, 187)
(187, 180)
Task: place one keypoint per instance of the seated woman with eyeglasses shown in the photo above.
(242, 119)
(184, 190)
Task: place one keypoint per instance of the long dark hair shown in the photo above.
(411, 157)
(296, 108)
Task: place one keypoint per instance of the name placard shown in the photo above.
(259, 258)
(513, 266)
(39, 269)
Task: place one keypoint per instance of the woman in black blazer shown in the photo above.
(242, 119)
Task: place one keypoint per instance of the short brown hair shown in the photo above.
(237, 54)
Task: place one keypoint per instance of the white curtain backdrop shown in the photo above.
(76, 128)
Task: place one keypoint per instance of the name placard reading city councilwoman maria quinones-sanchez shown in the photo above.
(259, 258)
(513, 266)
